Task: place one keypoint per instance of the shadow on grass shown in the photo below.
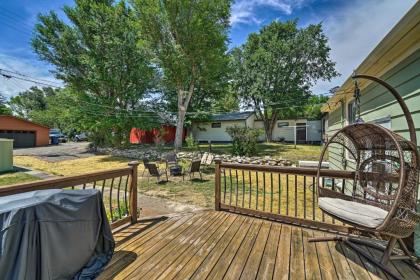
(115, 159)
(15, 169)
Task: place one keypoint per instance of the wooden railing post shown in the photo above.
(133, 191)
(217, 182)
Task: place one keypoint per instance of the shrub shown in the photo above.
(190, 142)
(244, 140)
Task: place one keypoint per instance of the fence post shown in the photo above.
(133, 191)
(217, 182)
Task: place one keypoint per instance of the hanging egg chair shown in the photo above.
(382, 197)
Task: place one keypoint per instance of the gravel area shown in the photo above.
(56, 153)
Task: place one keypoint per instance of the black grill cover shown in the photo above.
(54, 234)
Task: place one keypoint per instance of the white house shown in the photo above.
(307, 131)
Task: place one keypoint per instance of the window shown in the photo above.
(351, 112)
(216, 125)
(282, 124)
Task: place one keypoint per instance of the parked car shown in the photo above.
(80, 137)
(56, 133)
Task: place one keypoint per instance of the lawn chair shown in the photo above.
(194, 167)
(145, 161)
(207, 159)
(154, 171)
(170, 159)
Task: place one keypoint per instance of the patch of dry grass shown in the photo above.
(72, 167)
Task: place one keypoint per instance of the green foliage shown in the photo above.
(313, 107)
(101, 56)
(244, 140)
(191, 143)
(51, 107)
(275, 69)
(31, 100)
(4, 110)
(189, 40)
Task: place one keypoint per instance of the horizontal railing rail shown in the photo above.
(286, 194)
(117, 186)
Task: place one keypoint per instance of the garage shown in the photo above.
(22, 139)
(25, 133)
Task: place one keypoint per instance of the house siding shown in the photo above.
(203, 131)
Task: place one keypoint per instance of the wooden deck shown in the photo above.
(221, 245)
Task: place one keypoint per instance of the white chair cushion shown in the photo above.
(354, 212)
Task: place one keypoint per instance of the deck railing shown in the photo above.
(286, 194)
(118, 188)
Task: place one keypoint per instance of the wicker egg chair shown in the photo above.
(382, 197)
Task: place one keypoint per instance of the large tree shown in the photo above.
(189, 39)
(99, 54)
(4, 110)
(275, 69)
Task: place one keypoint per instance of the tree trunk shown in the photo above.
(269, 127)
(179, 128)
(268, 132)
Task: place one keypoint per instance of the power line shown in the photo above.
(27, 76)
(9, 74)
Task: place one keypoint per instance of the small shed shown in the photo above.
(24, 133)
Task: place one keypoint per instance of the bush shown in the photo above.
(190, 142)
(244, 140)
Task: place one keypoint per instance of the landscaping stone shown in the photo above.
(153, 154)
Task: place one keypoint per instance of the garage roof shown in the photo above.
(235, 116)
(23, 120)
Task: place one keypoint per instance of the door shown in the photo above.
(301, 132)
(22, 138)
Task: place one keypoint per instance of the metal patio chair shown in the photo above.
(170, 159)
(193, 168)
(154, 171)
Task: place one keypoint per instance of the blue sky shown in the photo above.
(354, 28)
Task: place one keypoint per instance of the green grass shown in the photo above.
(16, 178)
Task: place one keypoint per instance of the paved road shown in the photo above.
(55, 153)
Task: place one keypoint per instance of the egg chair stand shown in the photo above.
(381, 199)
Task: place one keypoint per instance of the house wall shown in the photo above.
(313, 130)
(379, 106)
(250, 121)
(204, 132)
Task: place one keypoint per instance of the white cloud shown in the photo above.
(12, 86)
(356, 30)
(243, 11)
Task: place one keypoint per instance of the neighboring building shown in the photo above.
(139, 136)
(307, 131)
(24, 133)
(396, 59)
(215, 129)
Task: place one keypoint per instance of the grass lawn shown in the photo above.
(285, 151)
(72, 167)
(11, 178)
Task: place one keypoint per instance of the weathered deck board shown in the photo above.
(221, 245)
